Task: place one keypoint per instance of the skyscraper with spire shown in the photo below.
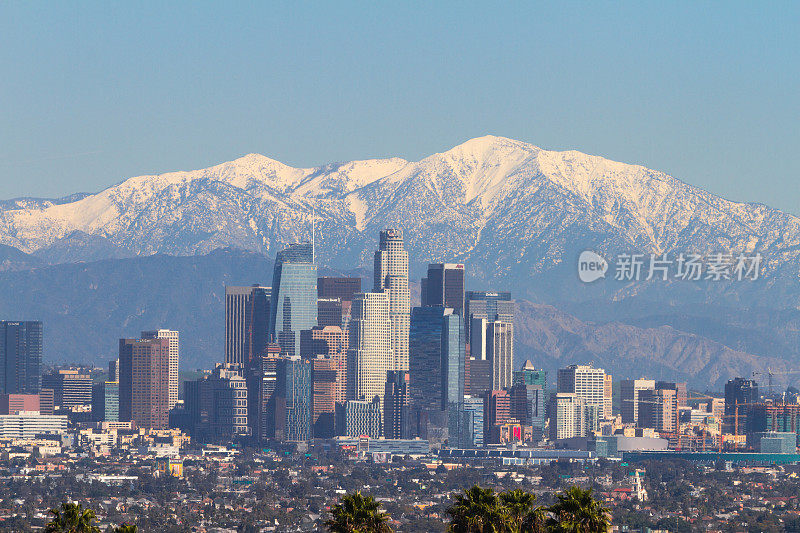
(294, 296)
(391, 275)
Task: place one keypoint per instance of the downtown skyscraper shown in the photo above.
(370, 355)
(293, 306)
(391, 275)
(20, 357)
(174, 357)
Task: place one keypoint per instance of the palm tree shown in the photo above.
(72, 518)
(478, 510)
(576, 511)
(356, 513)
(521, 513)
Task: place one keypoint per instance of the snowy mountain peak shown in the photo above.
(507, 207)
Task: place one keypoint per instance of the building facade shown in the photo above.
(362, 418)
(174, 358)
(20, 357)
(370, 354)
(396, 421)
(588, 383)
(71, 388)
(444, 287)
(630, 392)
(391, 275)
(294, 301)
(567, 416)
(332, 342)
(294, 399)
(144, 382)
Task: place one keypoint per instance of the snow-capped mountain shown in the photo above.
(510, 210)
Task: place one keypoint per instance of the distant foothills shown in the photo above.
(157, 251)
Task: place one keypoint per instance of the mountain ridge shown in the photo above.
(516, 213)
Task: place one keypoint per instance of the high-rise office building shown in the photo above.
(396, 422)
(174, 358)
(738, 393)
(500, 351)
(294, 297)
(530, 375)
(257, 322)
(105, 401)
(332, 342)
(262, 382)
(323, 396)
(444, 287)
(488, 305)
(528, 407)
(20, 357)
(679, 388)
(343, 288)
(680, 397)
(329, 312)
(474, 427)
(217, 405)
(14, 404)
(144, 382)
(70, 388)
(588, 383)
(630, 398)
(658, 409)
(294, 397)
(247, 314)
(237, 303)
(370, 355)
(391, 275)
(113, 370)
(47, 404)
(436, 358)
(362, 418)
(496, 411)
(229, 402)
(568, 417)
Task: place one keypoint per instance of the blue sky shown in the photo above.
(92, 93)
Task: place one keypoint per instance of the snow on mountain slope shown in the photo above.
(508, 208)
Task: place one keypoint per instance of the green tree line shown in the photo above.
(482, 510)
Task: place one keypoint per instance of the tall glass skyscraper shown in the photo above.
(294, 297)
(293, 413)
(436, 358)
(20, 357)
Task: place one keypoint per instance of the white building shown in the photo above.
(27, 425)
(174, 358)
(370, 355)
(391, 275)
(567, 416)
(500, 351)
(588, 383)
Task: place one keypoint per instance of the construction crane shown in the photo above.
(770, 373)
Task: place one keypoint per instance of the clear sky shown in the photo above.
(92, 93)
